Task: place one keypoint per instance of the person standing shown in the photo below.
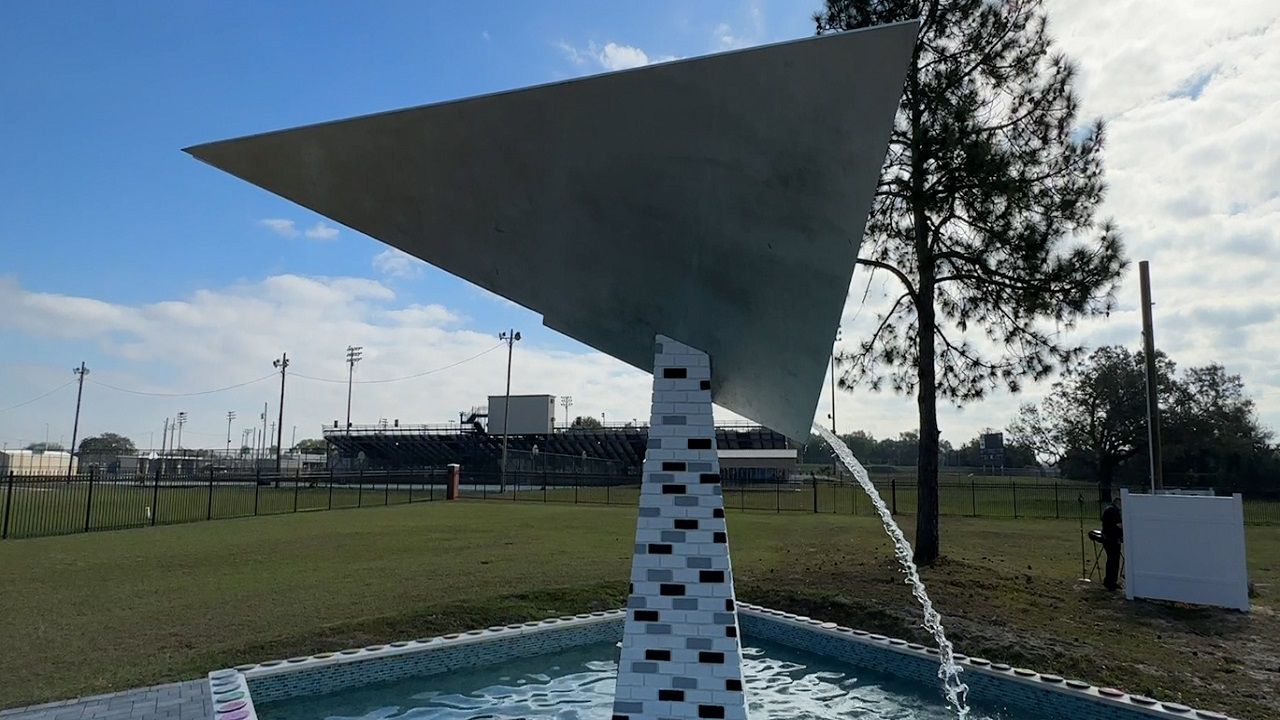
(1112, 537)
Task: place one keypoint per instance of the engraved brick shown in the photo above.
(672, 373)
(673, 466)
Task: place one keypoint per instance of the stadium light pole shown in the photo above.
(354, 354)
(182, 420)
(567, 402)
(283, 364)
(231, 415)
(511, 337)
(75, 427)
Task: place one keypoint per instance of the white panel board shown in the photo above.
(1185, 548)
(530, 414)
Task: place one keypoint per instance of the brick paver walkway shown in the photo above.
(176, 701)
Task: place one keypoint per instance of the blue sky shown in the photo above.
(102, 96)
(167, 276)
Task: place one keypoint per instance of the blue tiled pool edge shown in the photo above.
(234, 690)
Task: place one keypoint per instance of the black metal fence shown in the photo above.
(34, 506)
(989, 497)
(53, 505)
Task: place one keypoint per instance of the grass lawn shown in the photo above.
(93, 613)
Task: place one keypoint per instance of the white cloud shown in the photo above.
(571, 53)
(222, 336)
(620, 57)
(321, 231)
(1191, 98)
(397, 264)
(288, 228)
(485, 34)
(280, 226)
(610, 56)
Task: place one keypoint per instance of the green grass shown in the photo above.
(105, 611)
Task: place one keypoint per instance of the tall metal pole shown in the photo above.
(511, 336)
(164, 440)
(231, 415)
(833, 385)
(1153, 401)
(353, 357)
(262, 438)
(75, 428)
(283, 364)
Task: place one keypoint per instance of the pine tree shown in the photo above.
(984, 214)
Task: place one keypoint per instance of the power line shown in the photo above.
(187, 394)
(406, 377)
(39, 397)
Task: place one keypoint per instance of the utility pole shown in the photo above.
(567, 402)
(231, 415)
(511, 337)
(164, 439)
(75, 428)
(283, 364)
(1153, 401)
(833, 385)
(354, 354)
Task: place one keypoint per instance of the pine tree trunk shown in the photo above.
(927, 541)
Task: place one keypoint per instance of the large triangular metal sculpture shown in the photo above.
(719, 201)
(698, 219)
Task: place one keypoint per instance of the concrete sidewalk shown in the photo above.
(187, 700)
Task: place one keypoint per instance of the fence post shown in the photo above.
(777, 497)
(295, 493)
(8, 505)
(360, 489)
(606, 493)
(1056, 514)
(209, 512)
(576, 482)
(257, 486)
(814, 478)
(893, 493)
(386, 487)
(88, 504)
(410, 490)
(1014, 485)
(973, 494)
(155, 498)
(330, 487)
(431, 486)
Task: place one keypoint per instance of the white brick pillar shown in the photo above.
(681, 656)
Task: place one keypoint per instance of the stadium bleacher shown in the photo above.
(613, 449)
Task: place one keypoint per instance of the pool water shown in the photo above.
(781, 684)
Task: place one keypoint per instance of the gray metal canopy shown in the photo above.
(718, 200)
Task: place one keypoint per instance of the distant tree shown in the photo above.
(984, 214)
(586, 421)
(1211, 431)
(40, 447)
(1096, 413)
(313, 446)
(106, 445)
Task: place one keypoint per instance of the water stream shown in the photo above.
(948, 671)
